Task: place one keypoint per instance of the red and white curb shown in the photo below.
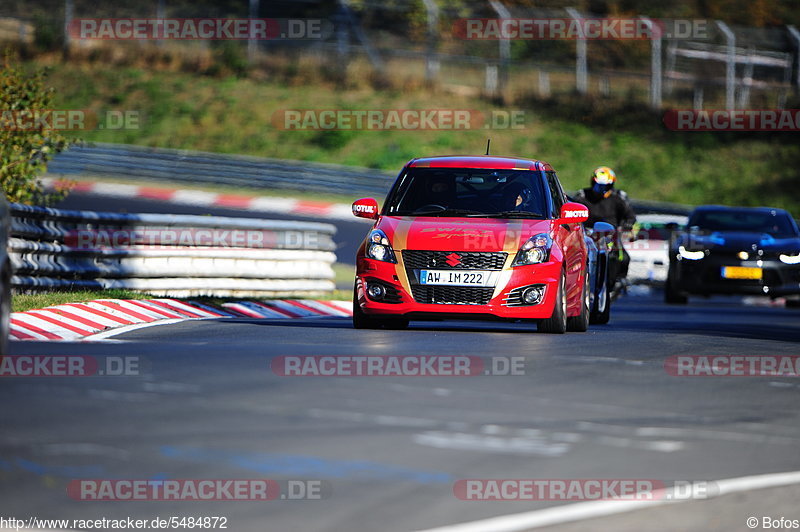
(95, 319)
(315, 209)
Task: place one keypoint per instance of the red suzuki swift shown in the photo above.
(473, 237)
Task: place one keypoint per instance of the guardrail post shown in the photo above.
(501, 69)
(431, 60)
(252, 43)
(747, 81)
(697, 102)
(160, 15)
(655, 64)
(796, 38)
(491, 84)
(581, 69)
(730, 63)
(69, 8)
(544, 83)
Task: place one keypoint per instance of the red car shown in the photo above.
(474, 237)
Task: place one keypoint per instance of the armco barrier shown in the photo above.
(171, 255)
(157, 165)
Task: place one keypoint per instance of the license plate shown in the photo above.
(455, 278)
(741, 272)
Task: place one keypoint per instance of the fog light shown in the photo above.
(533, 295)
(375, 291)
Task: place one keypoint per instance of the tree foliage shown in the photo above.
(26, 145)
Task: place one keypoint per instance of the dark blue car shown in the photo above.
(734, 250)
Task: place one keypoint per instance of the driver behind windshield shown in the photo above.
(518, 197)
(441, 191)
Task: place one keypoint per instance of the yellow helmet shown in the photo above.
(603, 179)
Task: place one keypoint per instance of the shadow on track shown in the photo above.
(430, 326)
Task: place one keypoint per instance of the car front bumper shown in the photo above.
(499, 305)
(704, 276)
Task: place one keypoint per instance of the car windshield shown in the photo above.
(775, 223)
(466, 192)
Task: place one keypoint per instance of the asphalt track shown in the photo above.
(592, 405)
(589, 405)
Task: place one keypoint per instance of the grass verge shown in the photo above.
(237, 115)
(21, 303)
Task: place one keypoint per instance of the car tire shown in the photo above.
(363, 321)
(557, 323)
(5, 308)
(601, 311)
(673, 296)
(580, 323)
(792, 303)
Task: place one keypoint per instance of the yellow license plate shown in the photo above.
(741, 272)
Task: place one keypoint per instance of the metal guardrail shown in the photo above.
(170, 255)
(233, 170)
(156, 164)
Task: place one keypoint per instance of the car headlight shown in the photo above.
(691, 255)
(790, 259)
(534, 251)
(378, 247)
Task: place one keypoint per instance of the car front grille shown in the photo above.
(469, 260)
(452, 295)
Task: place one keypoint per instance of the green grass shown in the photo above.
(21, 303)
(233, 115)
(345, 274)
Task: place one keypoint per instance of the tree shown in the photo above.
(28, 138)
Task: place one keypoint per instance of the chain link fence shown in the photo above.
(712, 65)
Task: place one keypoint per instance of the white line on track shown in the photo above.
(593, 509)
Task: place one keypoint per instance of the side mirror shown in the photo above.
(365, 208)
(672, 227)
(603, 227)
(572, 213)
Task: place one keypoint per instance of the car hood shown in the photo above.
(460, 234)
(745, 241)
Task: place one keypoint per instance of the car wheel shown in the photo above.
(5, 308)
(363, 321)
(557, 323)
(792, 303)
(360, 319)
(601, 312)
(672, 295)
(580, 323)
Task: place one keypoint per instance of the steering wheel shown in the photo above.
(430, 207)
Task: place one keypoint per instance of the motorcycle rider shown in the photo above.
(606, 204)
